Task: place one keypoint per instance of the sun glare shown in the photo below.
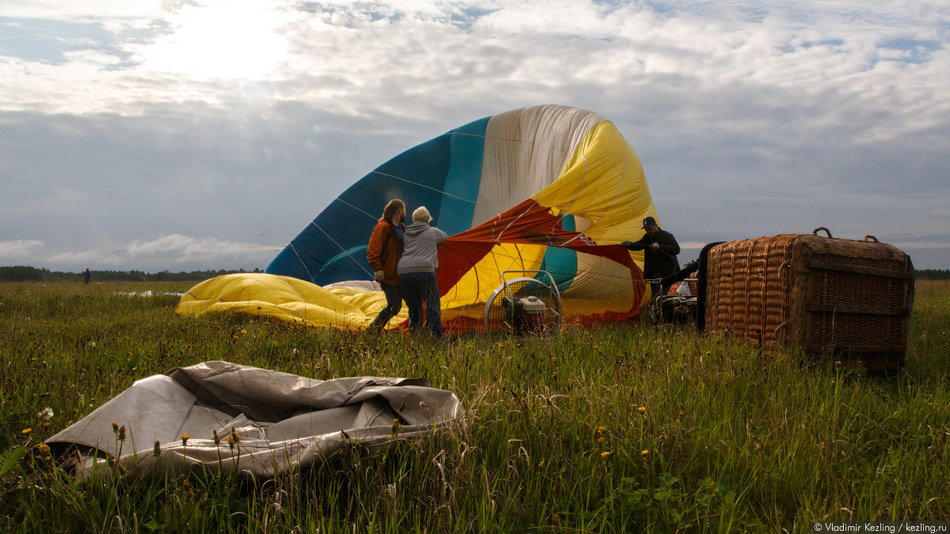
(221, 39)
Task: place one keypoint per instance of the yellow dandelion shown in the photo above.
(43, 448)
(115, 426)
(600, 440)
(243, 332)
(642, 409)
(184, 439)
(601, 430)
(554, 375)
(26, 431)
(541, 463)
(606, 454)
(645, 453)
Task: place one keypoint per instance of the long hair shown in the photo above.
(391, 208)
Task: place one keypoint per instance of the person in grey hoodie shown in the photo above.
(416, 269)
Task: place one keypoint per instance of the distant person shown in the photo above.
(383, 253)
(417, 268)
(86, 276)
(659, 253)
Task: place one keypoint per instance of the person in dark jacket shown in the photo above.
(659, 253)
(417, 268)
(383, 253)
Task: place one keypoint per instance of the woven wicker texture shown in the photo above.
(823, 294)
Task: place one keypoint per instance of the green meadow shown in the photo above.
(611, 429)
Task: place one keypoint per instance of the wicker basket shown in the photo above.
(852, 298)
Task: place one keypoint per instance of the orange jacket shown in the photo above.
(382, 252)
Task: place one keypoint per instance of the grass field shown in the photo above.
(621, 428)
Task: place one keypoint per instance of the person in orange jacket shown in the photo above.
(383, 253)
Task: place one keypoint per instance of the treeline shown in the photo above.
(32, 274)
(933, 274)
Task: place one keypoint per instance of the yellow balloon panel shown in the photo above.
(286, 298)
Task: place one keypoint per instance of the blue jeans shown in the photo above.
(393, 305)
(421, 289)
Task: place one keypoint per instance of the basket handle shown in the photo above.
(871, 238)
(816, 230)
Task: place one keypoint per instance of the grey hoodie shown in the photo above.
(420, 253)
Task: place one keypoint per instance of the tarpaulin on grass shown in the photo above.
(224, 417)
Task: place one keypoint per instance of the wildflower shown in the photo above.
(606, 454)
(837, 362)
(184, 439)
(642, 409)
(122, 433)
(243, 332)
(554, 375)
(395, 424)
(45, 413)
(601, 430)
(645, 453)
(541, 464)
(708, 352)
(157, 449)
(26, 431)
(115, 426)
(600, 439)
(231, 442)
(43, 448)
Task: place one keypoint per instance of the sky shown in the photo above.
(205, 134)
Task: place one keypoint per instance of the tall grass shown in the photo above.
(621, 428)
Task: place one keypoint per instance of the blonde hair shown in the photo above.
(421, 214)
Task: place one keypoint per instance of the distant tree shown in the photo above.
(21, 274)
(933, 274)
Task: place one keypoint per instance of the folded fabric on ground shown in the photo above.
(220, 416)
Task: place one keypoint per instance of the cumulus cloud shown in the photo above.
(20, 248)
(241, 120)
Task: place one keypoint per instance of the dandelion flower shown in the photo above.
(26, 431)
(645, 453)
(122, 433)
(601, 430)
(115, 426)
(606, 454)
(43, 448)
(184, 439)
(642, 409)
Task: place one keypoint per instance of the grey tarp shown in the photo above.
(280, 421)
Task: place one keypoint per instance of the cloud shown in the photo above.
(240, 124)
(19, 249)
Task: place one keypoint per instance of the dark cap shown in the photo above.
(649, 221)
